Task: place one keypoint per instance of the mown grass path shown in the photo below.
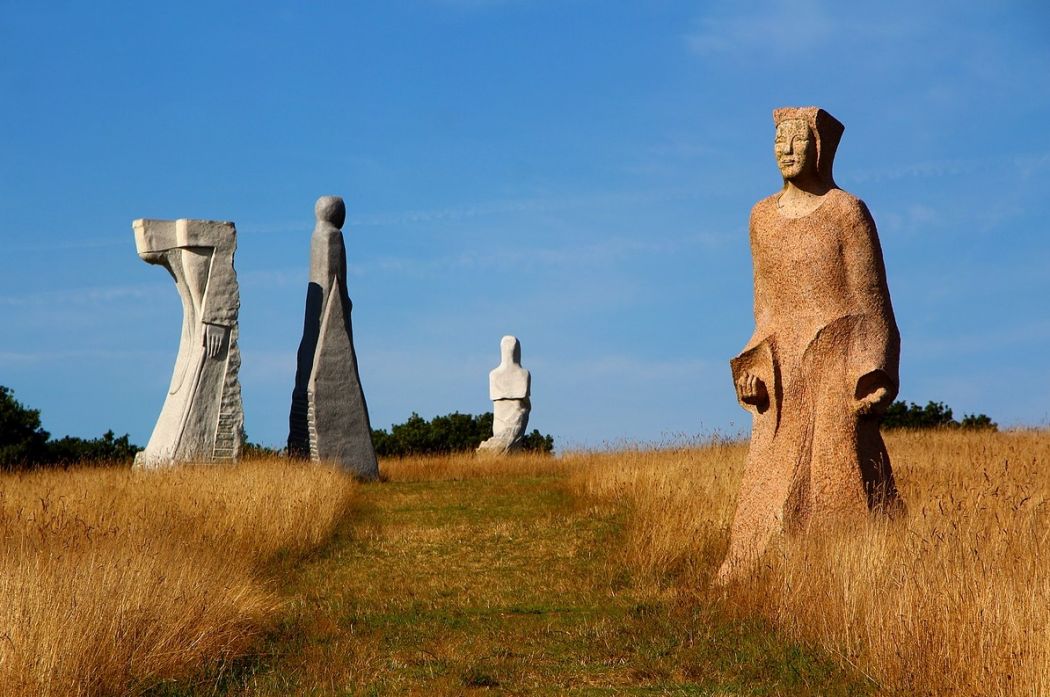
(504, 585)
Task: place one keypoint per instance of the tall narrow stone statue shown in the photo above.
(509, 388)
(329, 417)
(202, 419)
(822, 364)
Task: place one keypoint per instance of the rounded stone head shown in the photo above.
(331, 210)
(806, 140)
(510, 350)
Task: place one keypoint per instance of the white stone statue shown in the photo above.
(509, 388)
(329, 416)
(202, 419)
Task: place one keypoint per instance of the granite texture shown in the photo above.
(822, 363)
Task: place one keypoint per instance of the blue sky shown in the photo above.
(575, 172)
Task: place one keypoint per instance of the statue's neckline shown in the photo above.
(780, 211)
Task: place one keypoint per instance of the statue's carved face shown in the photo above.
(795, 150)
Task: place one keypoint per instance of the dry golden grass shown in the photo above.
(453, 574)
(457, 466)
(112, 581)
(462, 577)
(953, 599)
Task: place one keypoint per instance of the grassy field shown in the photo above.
(115, 582)
(584, 574)
(951, 599)
(459, 576)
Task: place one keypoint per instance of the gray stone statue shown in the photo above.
(509, 388)
(202, 419)
(329, 417)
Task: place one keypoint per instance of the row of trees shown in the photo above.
(453, 432)
(933, 415)
(25, 443)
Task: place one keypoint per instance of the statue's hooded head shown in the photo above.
(826, 131)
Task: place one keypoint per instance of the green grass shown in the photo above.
(502, 585)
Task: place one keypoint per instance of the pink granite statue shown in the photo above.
(822, 364)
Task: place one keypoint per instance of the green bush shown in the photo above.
(256, 451)
(24, 443)
(22, 440)
(451, 433)
(933, 415)
(109, 448)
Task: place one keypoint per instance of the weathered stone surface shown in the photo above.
(823, 361)
(202, 419)
(510, 387)
(329, 416)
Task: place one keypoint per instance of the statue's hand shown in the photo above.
(873, 394)
(751, 390)
(213, 338)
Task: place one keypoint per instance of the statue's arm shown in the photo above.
(222, 300)
(761, 306)
(751, 390)
(875, 346)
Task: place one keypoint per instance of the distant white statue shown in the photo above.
(509, 388)
(202, 419)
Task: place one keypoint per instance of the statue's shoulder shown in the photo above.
(765, 208)
(327, 233)
(326, 239)
(768, 203)
(846, 202)
(849, 207)
(509, 382)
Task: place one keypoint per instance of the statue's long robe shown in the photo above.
(823, 320)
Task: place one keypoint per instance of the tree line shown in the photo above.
(934, 415)
(451, 433)
(25, 443)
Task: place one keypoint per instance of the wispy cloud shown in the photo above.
(86, 296)
(14, 359)
(921, 170)
(518, 258)
(466, 211)
(51, 245)
(783, 26)
(787, 28)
